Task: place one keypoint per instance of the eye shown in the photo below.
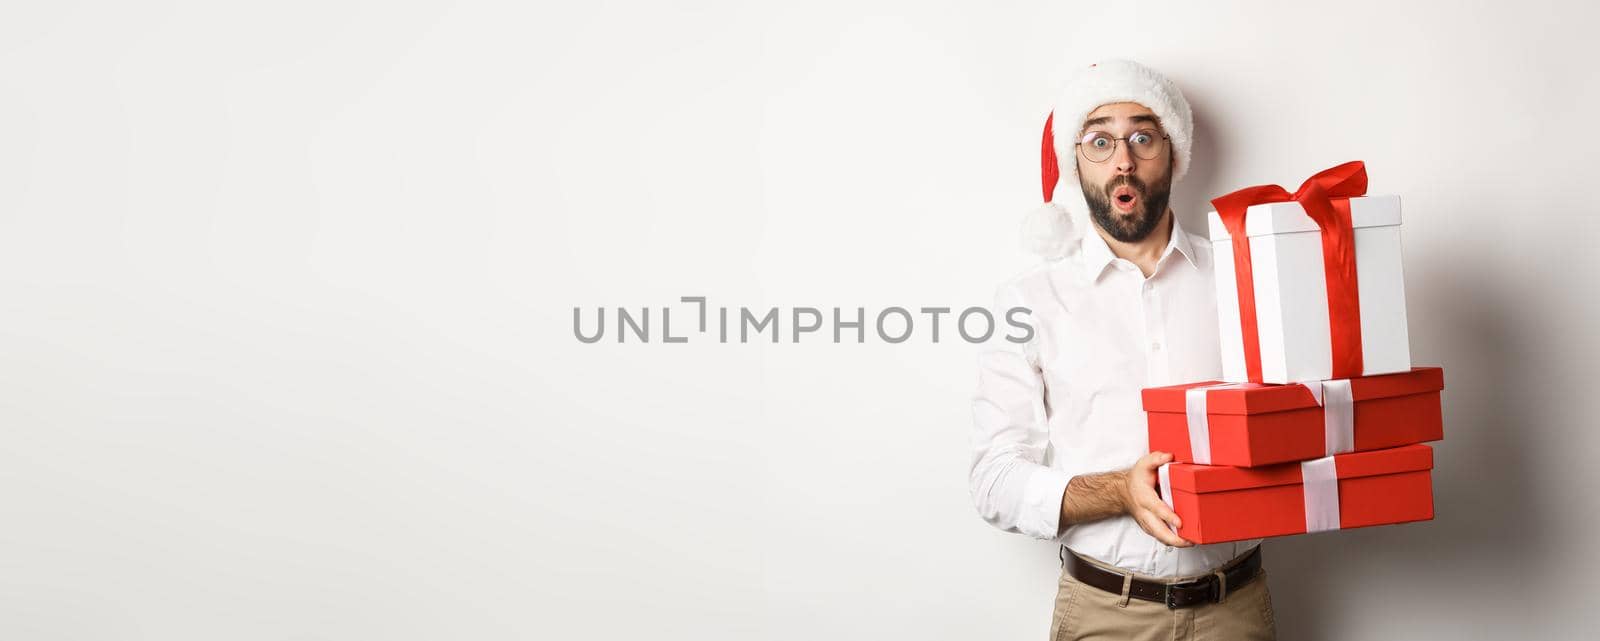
(1141, 138)
(1099, 141)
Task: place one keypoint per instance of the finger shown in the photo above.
(1167, 532)
(1147, 524)
(1166, 514)
(1151, 460)
(1156, 528)
(1168, 536)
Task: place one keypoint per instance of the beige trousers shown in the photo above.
(1086, 612)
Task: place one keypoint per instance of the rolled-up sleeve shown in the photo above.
(1011, 486)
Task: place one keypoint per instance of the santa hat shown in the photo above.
(1053, 230)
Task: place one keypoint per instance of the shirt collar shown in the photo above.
(1097, 255)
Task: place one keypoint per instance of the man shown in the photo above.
(1059, 432)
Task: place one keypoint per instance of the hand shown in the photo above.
(1145, 505)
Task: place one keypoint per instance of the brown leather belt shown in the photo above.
(1209, 589)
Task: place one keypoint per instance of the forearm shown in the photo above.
(1091, 497)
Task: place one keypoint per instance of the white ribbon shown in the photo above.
(1321, 487)
(1338, 414)
(1338, 417)
(1194, 409)
(1165, 478)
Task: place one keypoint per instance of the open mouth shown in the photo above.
(1124, 198)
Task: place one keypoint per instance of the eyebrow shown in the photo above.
(1145, 118)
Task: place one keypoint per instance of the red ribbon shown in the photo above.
(1325, 197)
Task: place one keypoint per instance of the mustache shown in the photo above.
(1126, 179)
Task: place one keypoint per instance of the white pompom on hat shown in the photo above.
(1052, 231)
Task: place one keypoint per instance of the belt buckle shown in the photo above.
(1209, 582)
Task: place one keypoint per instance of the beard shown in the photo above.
(1137, 224)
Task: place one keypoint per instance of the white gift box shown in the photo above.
(1292, 296)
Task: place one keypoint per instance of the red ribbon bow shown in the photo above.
(1325, 197)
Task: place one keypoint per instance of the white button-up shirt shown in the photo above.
(1067, 402)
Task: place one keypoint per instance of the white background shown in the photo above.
(286, 295)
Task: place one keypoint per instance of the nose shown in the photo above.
(1122, 161)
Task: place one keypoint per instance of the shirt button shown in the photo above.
(1155, 346)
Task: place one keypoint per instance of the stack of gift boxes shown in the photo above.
(1320, 420)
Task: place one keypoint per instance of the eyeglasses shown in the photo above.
(1146, 144)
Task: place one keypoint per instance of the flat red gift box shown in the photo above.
(1223, 503)
(1252, 424)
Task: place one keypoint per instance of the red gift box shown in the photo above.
(1252, 424)
(1362, 489)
